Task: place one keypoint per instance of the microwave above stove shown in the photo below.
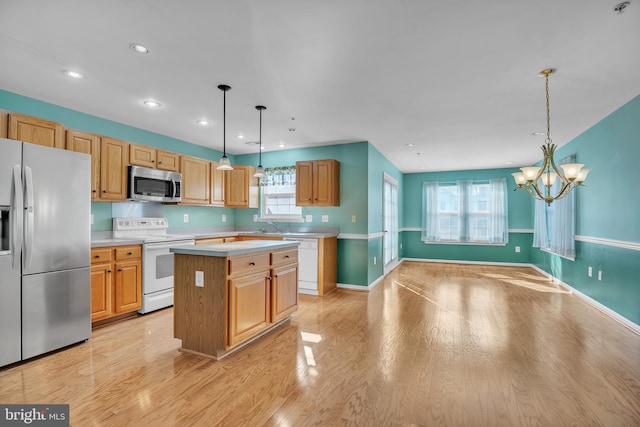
(154, 185)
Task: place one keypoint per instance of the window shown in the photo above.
(278, 191)
(554, 225)
(465, 212)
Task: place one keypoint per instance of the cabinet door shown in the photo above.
(248, 307)
(114, 158)
(87, 143)
(101, 304)
(168, 161)
(4, 118)
(284, 291)
(128, 286)
(217, 186)
(195, 181)
(141, 155)
(304, 183)
(35, 130)
(325, 190)
(241, 187)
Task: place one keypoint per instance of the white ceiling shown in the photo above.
(457, 79)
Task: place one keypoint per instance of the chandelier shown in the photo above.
(538, 181)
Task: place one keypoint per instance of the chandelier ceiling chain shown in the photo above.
(260, 173)
(538, 181)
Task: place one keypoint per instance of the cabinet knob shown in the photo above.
(286, 256)
(104, 191)
(119, 269)
(108, 271)
(153, 161)
(252, 263)
(130, 253)
(159, 163)
(97, 256)
(93, 191)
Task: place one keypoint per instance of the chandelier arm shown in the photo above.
(534, 195)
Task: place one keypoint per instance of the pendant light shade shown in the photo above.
(224, 164)
(260, 170)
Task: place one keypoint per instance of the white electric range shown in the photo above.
(157, 261)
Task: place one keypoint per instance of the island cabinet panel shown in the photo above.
(222, 300)
(284, 291)
(249, 304)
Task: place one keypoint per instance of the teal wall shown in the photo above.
(520, 217)
(607, 208)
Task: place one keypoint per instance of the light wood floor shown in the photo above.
(435, 344)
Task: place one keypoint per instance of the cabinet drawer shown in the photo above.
(100, 255)
(248, 263)
(209, 241)
(128, 252)
(288, 256)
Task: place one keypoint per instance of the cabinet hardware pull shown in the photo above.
(252, 263)
(97, 256)
(104, 191)
(108, 271)
(94, 191)
(286, 256)
(130, 253)
(153, 161)
(119, 269)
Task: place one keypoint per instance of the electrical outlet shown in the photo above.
(185, 218)
(353, 218)
(255, 218)
(308, 218)
(517, 249)
(200, 279)
(325, 218)
(224, 218)
(375, 260)
(599, 274)
(590, 272)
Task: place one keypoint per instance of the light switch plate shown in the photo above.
(325, 218)
(255, 218)
(200, 279)
(185, 218)
(308, 218)
(224, 218)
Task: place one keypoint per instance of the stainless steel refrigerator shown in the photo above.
(45, 238)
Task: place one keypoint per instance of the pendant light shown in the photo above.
(539, 180)
(224, 164)
(260, 170)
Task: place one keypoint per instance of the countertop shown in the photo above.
(101, 239)
(234, 248)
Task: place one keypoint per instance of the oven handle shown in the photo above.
(161, 246)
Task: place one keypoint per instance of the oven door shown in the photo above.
(157, 267)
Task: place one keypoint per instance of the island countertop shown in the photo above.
(234, 248)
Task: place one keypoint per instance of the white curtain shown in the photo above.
(430, 212)
(464, 210)
(499, 217)
(554, 225)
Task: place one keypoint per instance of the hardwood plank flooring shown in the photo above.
(434, 344)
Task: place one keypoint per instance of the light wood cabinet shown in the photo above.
(35, 130)
(195, 181)
(242, 297)
(114, 158)
(4, 118)
(217, 185)
(116, 281)
(142, 155)
(241, 188)
(318, 183)
(88, 143)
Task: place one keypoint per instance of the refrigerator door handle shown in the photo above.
(16, 232)
(29, 217)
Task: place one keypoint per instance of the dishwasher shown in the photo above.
(307, 265)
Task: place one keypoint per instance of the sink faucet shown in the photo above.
(275, 226)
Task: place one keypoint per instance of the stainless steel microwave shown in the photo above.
(154, 185)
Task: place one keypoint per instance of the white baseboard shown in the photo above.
(595, 304)
(450, 261)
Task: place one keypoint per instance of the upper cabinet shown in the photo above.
(217, 186)
(114, 158)
(142, 155)
(35, 130)
(241, 188)
(318, 183)
(4, 117)
(87, 143)
(195, 180)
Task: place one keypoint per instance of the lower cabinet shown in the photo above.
(249, 312)
(284, 291)
(116, 281)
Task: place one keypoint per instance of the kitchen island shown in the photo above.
(228, 294)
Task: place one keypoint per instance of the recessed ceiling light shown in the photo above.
(139, 48)
(509, 162)
(292, 129)
(423, 168)
(73, 74)
(240, 136)
(152, 104)
(409, 145)
(538, 133)
(204, 122)
(281, 145)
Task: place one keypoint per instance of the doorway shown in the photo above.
(389, 223)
